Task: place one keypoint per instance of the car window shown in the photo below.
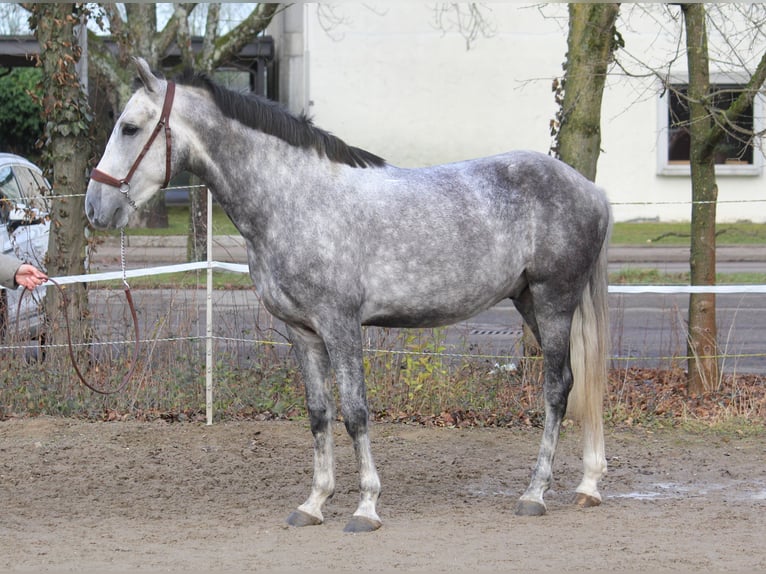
(10, 194)
(33, 188)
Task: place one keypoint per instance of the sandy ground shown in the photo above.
(154, 497)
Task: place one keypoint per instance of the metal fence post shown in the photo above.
(209, 314)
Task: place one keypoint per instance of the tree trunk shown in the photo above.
(68, 149)
(196, 245)
(703, 367)
(591, 44)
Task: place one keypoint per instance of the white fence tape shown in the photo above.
(241, 268)
(149, 271)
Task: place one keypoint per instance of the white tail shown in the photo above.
(589, 344)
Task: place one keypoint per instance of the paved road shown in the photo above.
(647, 330)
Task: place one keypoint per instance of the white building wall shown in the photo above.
(384, 78)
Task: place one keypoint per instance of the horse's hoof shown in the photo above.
(362, 524)
(586, 500)
(529, 508)
(299, 518)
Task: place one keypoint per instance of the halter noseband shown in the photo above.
(164, 122)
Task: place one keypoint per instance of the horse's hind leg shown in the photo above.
(552, 324)
(314, 362)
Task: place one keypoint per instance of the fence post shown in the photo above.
(209, 314)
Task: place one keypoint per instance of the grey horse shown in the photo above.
(338, 238)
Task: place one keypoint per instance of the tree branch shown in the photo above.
(729, 116)
(169, 33)
(183, 35)
(211, 31)
(116, 22)
(230, 44)
(103, 63)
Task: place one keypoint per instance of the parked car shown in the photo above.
(24, 231)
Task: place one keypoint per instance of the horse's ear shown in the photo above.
(150, 81)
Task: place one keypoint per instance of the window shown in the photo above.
(10, 194)
(736, 154)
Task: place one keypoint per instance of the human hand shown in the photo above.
(30, 276)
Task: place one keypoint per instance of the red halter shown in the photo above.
(164, 122)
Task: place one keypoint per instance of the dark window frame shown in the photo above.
(737, 154)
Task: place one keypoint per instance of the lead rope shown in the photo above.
(122, 259)
(133, 314)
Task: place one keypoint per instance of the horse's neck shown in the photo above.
(256, 179)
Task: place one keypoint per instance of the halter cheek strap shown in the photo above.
(163, 123)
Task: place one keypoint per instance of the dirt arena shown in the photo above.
(165, 497)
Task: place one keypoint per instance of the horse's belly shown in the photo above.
(422, 318)
(408, 307)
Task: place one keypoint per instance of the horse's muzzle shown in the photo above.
(103, 214)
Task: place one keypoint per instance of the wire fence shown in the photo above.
(218, 334)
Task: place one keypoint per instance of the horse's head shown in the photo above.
(140, 155)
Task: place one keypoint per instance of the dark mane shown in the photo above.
(270, 117)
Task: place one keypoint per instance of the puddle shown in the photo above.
(667, 490)
(661, 491)
(671, 490)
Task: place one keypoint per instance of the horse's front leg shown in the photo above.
(345, 349)
(315, 366)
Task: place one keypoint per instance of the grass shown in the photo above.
(184, 280)
(640, 276)
(677, 233)
(424, 388)
(178, 224)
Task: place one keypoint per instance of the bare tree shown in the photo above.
(738, 31)
(13, 19)
(469, 19)
(707, 127)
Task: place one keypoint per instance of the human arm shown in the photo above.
(14, 272)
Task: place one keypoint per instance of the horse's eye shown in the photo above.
(129, 130)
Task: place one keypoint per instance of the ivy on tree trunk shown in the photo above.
(591, 44)
(66, 116)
